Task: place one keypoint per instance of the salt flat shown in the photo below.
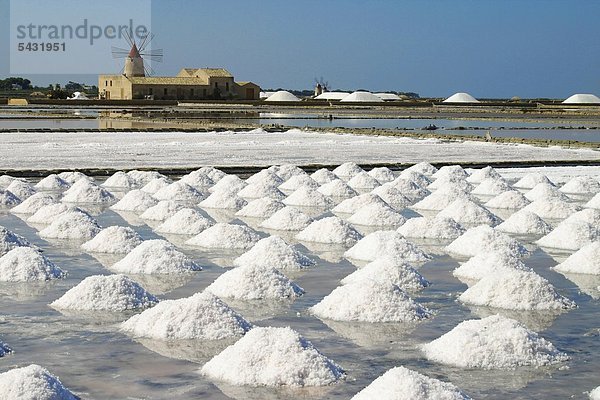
(254, 148)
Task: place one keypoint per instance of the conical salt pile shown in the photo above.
(482, 239)
(386, 243)
(113, 240)
(85, 191)
(389, 270)
(586, 260)
(229, 183)
(545, 191)
(72, 225)
(10, 240)
(423, 168)
(155, 185)
(135, 201)
(25, 264)
(431, 228)
(337, 188)
(186, 221)
(298, 181)
(162, 211)
(155, 257)
(552, 209)
(377, 215)
(46, 214)
(223, 199)
(363, 180)
(469, 213)
(491, 186)
(261, 189)
(21, 189)
(52, 182)
(580, 184)
(287, 219)
(199, 181)
(265, 177)
(8, 199)
(33, 383)
(142, 178)
(570, 235)
(179, 191)
(73, 176)
(330, 230)
(485, 264)
(418, 178)
(391, 195)
(32, 204)
(119, 179)
(287, 171)
(382, 174)
(260, 208)
(274, 252)
(323, 176)
(532, 179)
(352, 205)
(410, 189)
(348, 170)
(525, 223)
(479, 175)
(225, 236)
(307, 197)
(510, 199)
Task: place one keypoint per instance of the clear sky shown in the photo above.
(502, 48)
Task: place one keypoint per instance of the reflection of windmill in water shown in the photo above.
(134, 58)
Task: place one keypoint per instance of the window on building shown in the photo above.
(192, 92)
(150, 91)
(105, 83)
(204, 93)
(216, 85)
(110, 83)
(165, 91)
(227, 86)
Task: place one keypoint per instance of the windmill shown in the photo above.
(135, 56)
(321, 86)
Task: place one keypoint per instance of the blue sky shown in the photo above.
(504, 48)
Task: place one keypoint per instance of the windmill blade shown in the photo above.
(118, 52)
(153, 55)
(128, 37)
(148, 70)
(146, 41)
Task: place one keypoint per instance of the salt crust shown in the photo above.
(260, 208)
(33, 383)
(73, 176)
(72, 225)
(155, 185)
(552, 209)
(230, 183)
(155, 257)
(330, 230)
(386, 243)
(274, 252)
(410, 189)
(85, 191)
(363, 180)
(586, 260)
(353, 204)
(480, 175)
(414, 176)
(580, 184)
(254, 282)
(382, 174)
(25, 264)
(223, 199)
(33, 203)
(8, 199)
(21, 189)
(273, 357)
(545, 191)
(494, 342)
(370, 301)
(467, 212)
(391, 195)
(515, 289)
(423, 168)
(307, 197)
(136, 201)
(484, 239)
(47, 213)
(120, 179)
(511, 199)
(163, 210)
(323, 176)
(348, 170)
(485, 264)
(105, 293)
(265, 177)
(202, 316)
(186, 221)
(377, 215)
(179, 191)
(261, 189)
(287, 219)
(491, 186)
(52, 182)
(431, 228)
(113, 240)
(298, 181)
(389, 270)
(570, 235)
(225, 236)
(532, 179)
(401, 383)
(524, 223)
(337, 188)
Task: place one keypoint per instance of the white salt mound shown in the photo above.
(120, 179)
(584, 261)
(515, 289)
(155, 185)
(25, 264)
(202, 316)
(213, 173)
(274, 252)
(431, 228)
(446, 184)
(307, 197)
(594, 202)
(225, 236)
(485, 264)
(467, 212)
(73, 176)
(155, 257)
(409, 188)
(72, 225)
(230, 183)
(113, 240)
(391, 195)
(298, 181)
(580, 184)
(10, 240)
(142, 178)
(254, 282)
(33, 203)
(595, 394)
(330, 230)
(511, 199)
(273, 357)
(483, 239)
(532, 179)
(401, 383)
(588, 215)
(179, 191)
(6, 180)
(85, 191)
(461, 98)
(352, 205)
(287, 219)
(491, 186)
(382, 174)
(439, 200)
(552, 209)
(287, 171)
(52, 182)
(525, 223)
(46, 214)
(545, 191)
(8, 199)
(260, 208)
(363, 180)
(163, 210)
(337, 188)
(265, 177)
(33, 383)
(21, 189)
(370, 301)
(261, 189)
(135, 201)
(479, 175)
(570, 235)
(389, 270)
(423, 168)
(451, 171)
(199, 181)
(377, 215)
(348, 170)
(386, 243)
(416, 177)
(323, 176)
(223, 200)
(494, 342)
(105, 293)
(186, 221)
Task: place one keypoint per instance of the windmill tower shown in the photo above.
(134, 58)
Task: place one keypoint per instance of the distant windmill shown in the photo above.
(135, 56)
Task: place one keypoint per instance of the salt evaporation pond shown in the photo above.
(96, 360)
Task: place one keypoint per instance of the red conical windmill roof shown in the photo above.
(134, 53)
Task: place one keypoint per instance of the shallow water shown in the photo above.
(97, 361)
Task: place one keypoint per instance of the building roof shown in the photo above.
(168, 80)
(210, 72)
